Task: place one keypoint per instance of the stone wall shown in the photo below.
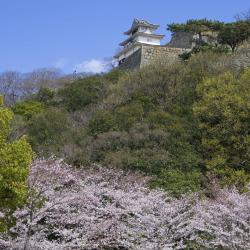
(181, 39)
(242, 56)
(131, 62)
(151, 53)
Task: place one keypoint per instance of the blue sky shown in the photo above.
(69, 33)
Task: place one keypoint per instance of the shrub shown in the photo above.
(166, 121)
(129, 114)
(178, 182)
(28, 109)
(102, 121)
(49, 131)
(79, 94)
(146, 160)
(15, 159)
(45, 95)
(114, 75)
(223, 113)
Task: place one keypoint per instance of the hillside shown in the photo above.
(155, 158)
(163, 120)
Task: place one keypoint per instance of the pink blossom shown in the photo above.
(100, 207)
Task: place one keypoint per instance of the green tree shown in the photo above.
(49, 131)
(102, 121)
(223, 112)
(234, 34)
(15, 158)
(45, 95)
(196, 26)
(79, 94)
(178, 182)
(27, 109)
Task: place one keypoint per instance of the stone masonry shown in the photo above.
(242, 56)
(143, 46)
(148, 54)
(181, 39)
(132, 62)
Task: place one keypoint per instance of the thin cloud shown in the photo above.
(61, 63)
(94, 66)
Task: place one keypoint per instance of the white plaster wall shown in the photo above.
(148, 40)
(145, 30)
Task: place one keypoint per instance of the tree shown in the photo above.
(101, 122)
(49, 131)
(45, 95)
(244, 16)
(40, 78)
(15, 86)
(28, 109)
(77, 95)
(104, 208)
(223, 113)
(234, 34)
(15, 158)
(99, 208)
(10, 85)
(197, 26)
(222, 223)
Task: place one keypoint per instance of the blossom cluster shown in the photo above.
(103, 208)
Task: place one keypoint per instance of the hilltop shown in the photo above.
(152, 158)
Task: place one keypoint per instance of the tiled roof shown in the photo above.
(139, 22)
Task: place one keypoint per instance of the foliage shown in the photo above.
(49, 131)
(79, 94)
(196, 26)
(129, 114)
(178, 182)
(15, 158)
(101, 122)
(114, 75)
(141, 120)
(223, 112)
(224, 35)
(27, 109)
(5, 119)
(234, 34)
(179, 124)
(45, 95)
(144, 121)
(203, 48)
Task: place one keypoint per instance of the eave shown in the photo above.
(140, 23)
(132, 29)
(140, 34)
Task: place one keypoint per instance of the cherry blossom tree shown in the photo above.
(103, 208)
(223, 222)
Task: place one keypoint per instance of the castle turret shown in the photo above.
(141, 32)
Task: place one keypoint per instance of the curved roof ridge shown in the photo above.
(137, 22)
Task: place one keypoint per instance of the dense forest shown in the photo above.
(156, 158)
